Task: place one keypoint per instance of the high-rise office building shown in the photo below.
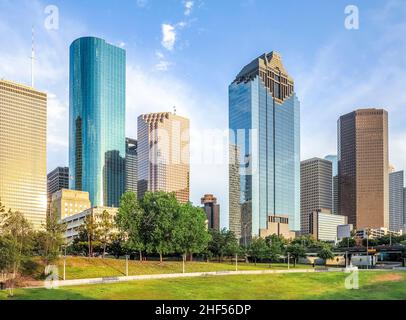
(97, 120)
(323, 225)
(235, 219)
(316, 189)
(58, 179)
(23, 131)
(404, 209)
(334, 161)
(212, 210)
(131, 175)
(363, 168)
(163, 154)
(396, 201)
(264, 122)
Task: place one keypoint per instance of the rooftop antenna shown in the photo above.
(32, 56)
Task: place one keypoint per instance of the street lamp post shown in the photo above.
(288, 261)
(126, 265)
(64, 265)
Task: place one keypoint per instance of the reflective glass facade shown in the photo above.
(264, 119)
(97, 120)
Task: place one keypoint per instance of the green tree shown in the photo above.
(105, 227)
(190, 233)
(90, 229)
(326, 254)
(161, 211)
(347, 243)
(259, 249)
(17, 235)
(130, 220)
(50, 241)
(296, 251)
(222, 243)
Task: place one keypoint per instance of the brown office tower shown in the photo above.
(163, 154)
(363, 166)
(212, 210)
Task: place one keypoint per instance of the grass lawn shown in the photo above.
(82, 268)
(372, 285)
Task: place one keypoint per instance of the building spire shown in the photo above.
(32, 56)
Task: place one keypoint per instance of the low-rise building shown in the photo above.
(278, 225)
(74, 222)
(69, 202)
(372, 233)
(324, 224)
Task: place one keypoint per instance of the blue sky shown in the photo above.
(186, 53)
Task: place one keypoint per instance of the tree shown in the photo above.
(16, 234)
(222, 243)
(190, 233)
(276, 244)
(90, 229)
(117, 246)
(259, 249)
(347, 243)
(296, 251)
(105, 227)
(130, 221)
(161, 211)
(50, 241)
(326, 254)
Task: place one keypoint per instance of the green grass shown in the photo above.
(84, 268)
(319, 286)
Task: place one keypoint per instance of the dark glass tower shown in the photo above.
(97, 120)
(264, 121)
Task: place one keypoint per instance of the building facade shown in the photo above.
(264, 122)
(23, 139)
(324, 225)
(278, 225)
(212, 210)
(74, 222)
(334, 161)
(163, 154)
(66, 203)
(316, 189)
(97, 120)
(363, 165)
(57, 179)
(131, 165)
(396, 201)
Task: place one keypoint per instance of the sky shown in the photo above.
(185, 53)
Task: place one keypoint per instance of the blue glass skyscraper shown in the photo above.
(264, 122)
(97, 120)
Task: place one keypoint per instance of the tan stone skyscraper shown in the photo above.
(163, 154)
(23, 130)
(363, 168)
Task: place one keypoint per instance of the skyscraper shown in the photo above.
(396, 201)
(363, 168)
(334, 161)
(316, 189)
(97, 120)
(264, 122)
(58, 179)
(163, 154)
(131, 174)
(212, 210)
(23, 131)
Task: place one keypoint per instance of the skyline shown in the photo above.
(337, 70)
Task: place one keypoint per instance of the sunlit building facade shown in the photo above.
(363, 168)
(163, 154)
(131, 171)
(23, 131)
(65, 203)
(264, 122)
(97, 120)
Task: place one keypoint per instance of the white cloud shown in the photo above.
(142, 3)
(168, 36)
(163, 64)
(188, 7)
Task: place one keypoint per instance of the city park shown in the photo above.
(158, 248)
